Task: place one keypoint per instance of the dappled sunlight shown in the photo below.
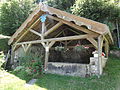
(10, 81)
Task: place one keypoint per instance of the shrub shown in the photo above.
(30, 64)
(2, 61)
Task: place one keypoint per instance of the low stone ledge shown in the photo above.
(71, 69)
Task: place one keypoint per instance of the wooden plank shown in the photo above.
(53, 28)
(60, 39)
(33, 31)
(93, 41)
(72, 25)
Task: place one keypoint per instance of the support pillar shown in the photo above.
(12, 55)
(100, 44)
(106, 48)
(46, 57)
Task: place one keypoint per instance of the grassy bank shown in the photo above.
(110, 80)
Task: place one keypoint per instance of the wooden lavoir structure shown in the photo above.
(49, 26)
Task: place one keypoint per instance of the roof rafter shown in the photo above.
(72, 25)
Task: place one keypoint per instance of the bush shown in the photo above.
(1, 60)
(30, 64)
(12, 14)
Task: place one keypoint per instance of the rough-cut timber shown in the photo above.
(48, 28)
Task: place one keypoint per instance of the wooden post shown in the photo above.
(47, 47)
(100, 42)
(106, 48)
(12, 55)
(46, 57)
(43, 28)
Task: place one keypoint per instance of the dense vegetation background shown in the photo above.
(14, 12)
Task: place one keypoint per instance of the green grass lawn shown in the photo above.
(110, 80)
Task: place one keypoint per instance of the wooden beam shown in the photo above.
(26, 47)
(93, 41)
(60, 39)
(59, 34)
(29, 45)
(72, 25)
(33, 31)
(27, 30)
(51, 44)
(106, 47)
(23, 46)
(53, 28)
(14, 47)
(74, 31)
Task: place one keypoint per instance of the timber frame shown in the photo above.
(99, 36)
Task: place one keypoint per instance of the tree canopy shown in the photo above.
(99, 10)
(13, 14)
(61, 4)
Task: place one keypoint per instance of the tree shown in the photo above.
(61, 4)
(98, 10)
(12, 14)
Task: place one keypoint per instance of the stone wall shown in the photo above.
(72, 69)
(76, 69)
(93, 66)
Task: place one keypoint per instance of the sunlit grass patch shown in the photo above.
(11, 82)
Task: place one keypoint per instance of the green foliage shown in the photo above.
(80, 48)
(4, 45)
(61, 4)
(98, 10)
(13, 14)
(20, 72)
(1, 60)
(19, 68)
(59, 48)
(30, 64)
